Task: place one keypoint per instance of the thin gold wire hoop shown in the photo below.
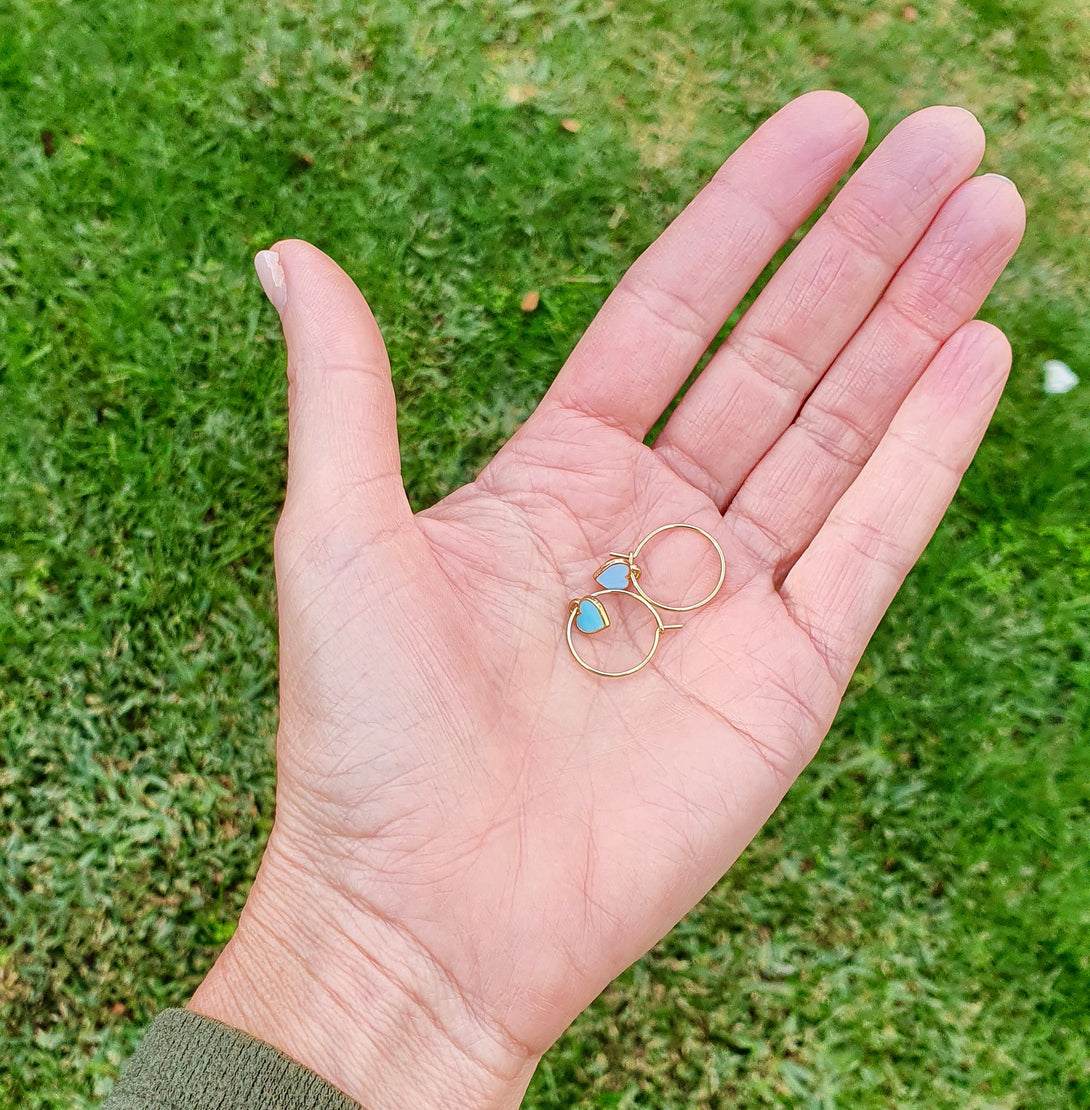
(634, 579)
(660, 628)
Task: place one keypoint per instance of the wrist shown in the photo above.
(356, 1001)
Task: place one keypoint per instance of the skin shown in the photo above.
(473, 835)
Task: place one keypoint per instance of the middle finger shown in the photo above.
(753, 387)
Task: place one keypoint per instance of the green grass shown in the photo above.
(911, 929)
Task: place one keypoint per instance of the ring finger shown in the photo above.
(787, 497)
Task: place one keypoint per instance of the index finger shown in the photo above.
(668, 307)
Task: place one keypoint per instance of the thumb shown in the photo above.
(342, 433)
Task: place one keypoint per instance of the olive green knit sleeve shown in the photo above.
(190, 1062)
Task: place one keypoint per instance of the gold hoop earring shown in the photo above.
(622, 571)
(588, 614)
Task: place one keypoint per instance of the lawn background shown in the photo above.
(911, 929)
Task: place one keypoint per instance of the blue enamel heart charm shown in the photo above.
(615, 575)
(590, 617)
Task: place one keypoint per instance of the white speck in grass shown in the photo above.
(1059, 377)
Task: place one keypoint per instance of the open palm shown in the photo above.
(473, 833)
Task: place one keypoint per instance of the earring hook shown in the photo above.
(595, 618)
(624, 566)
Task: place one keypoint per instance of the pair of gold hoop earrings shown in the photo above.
(620, 576)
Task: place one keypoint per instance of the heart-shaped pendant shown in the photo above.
(591, 617)
(614, 575)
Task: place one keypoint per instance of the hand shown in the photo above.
(473, 834)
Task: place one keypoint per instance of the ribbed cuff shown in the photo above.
(186, 1061)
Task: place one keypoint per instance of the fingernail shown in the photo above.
(1000, 176)
(271, 275)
